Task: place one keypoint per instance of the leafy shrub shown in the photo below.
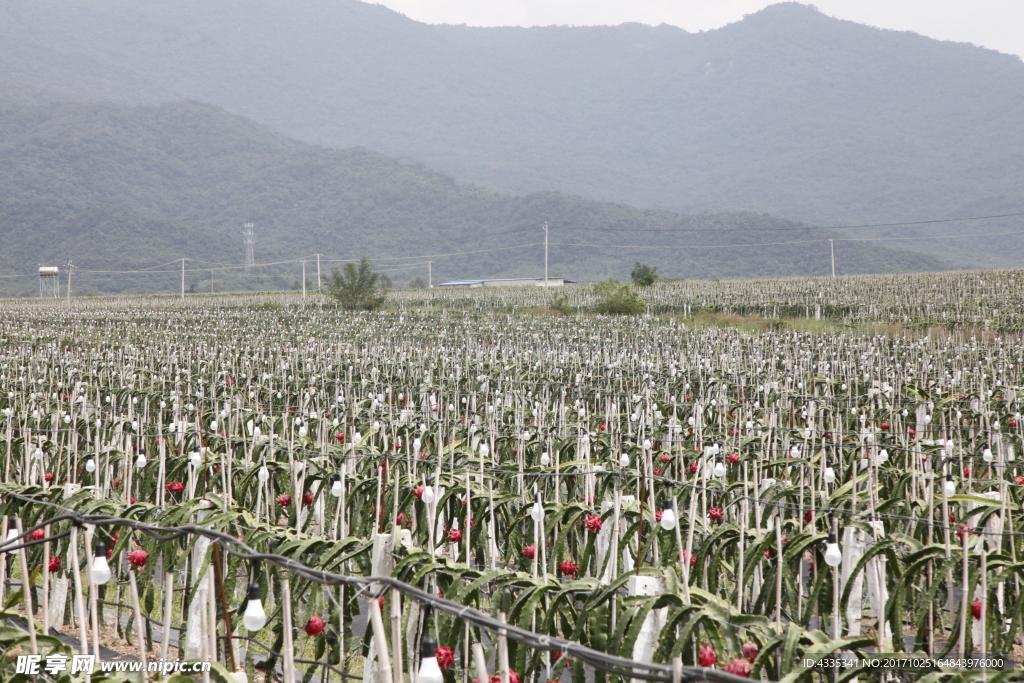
(643, 275)
(618, 299)
(561, 304)
(358, 288)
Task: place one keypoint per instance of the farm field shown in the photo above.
(799, 480)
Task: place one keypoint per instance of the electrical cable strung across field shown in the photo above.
(373, 587)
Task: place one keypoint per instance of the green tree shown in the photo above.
(358, 288)
(644, 276)
(417, 283)
(618, 298)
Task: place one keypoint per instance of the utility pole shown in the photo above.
(545, 257)
(70, 268)
(832, 248)
(430, 274)
(318, 285)
(303, 283)
(182, 279)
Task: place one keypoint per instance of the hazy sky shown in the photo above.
(996, 24)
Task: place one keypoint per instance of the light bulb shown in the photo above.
(100, 571)
(794, 452)
(67, 419)
(647, 444)
(949, 486)
(12, 528)
(90, 465)
(883, 455)
(195, 459)
(428, 494)
(336, 486)
(833, 555)
(986, 454)
(303, 431)
(537, 512)
(668, 519)
(254, 617)
(719, 468)
(263, 474)
(623, 460)
(715, 449)
(416, 445)
(140, 461)
(830, 474)
(358, 437)
(429, 671)
(545, 459)
(213, 425)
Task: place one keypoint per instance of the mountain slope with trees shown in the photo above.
(117, 187)
(788, 111)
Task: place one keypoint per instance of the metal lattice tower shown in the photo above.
(250, 241)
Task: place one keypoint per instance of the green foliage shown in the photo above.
(560, 303)
(643, 275)
(358, 288)
(417, 283)
(617, 298)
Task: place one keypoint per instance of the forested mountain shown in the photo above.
(788, 111)
(119, 187)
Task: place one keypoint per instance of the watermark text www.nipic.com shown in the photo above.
(55, 664)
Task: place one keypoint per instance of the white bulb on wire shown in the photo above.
(100, 570)
(949, 486)
(195, 459)
(264, 474)
(90, 465)
(545, 459)
(428, 494)
(830, 474)
(986, 454)
(12, 529)
(537, 512)
(833, 555)
(213, 425)
(647, 444)
(668, 519)
(430, 671)
(719, 468)
(140, 461)
(416, 444)
(336, 486)
(624, 460)
(254, 617)
(883, 456)
(303, 431)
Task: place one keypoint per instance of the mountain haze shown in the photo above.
(788, 111)
(118, 187)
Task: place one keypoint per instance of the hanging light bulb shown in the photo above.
(484, 450)
(949, 486)
(429, 671)
(100, 571)
(794, 452)
(668, 517)
(264, 474)
(195, 459)
(624, 460)
(545, 459)
(719, 467)
(303, 431)
(986, 454)
(428, 494)
(90, 465)
(715, 449)
(416, 445)
(883, 456)
(537, 512)
(12, 528)
(213, 425)
(254, 617)
(140, 461)
(830, 474)
(336, 486)
(647, 444)
(833, 555)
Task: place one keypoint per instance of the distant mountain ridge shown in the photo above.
(116, 187)
(788, 111)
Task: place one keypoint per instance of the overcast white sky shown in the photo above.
(996, 24)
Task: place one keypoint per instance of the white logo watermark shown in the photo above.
(54, 664)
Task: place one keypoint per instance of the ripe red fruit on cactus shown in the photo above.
(513, 677)
(808, 516)
(445, 656)
(738, 667)
(750, 650)
(976, 608)
(175, 487)
(284, 500)
(454, 535)
(137, 558)
(530, 551)
(418, 492)
(657, 472)
(131, 500)
(117, 483)
(715, 514)
(1013, 422)
(664, 457)
(54, 564)
(707, 657)
(307, 498)
(911, 433)
(967, 472)
(693, 468)
(884, 425)
(48, 477)
(733, 458)
(593, 523)
(1018, 480)
(964, 530)
(37, 535)
(340, 436)
(314, 627)
(569, 568)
